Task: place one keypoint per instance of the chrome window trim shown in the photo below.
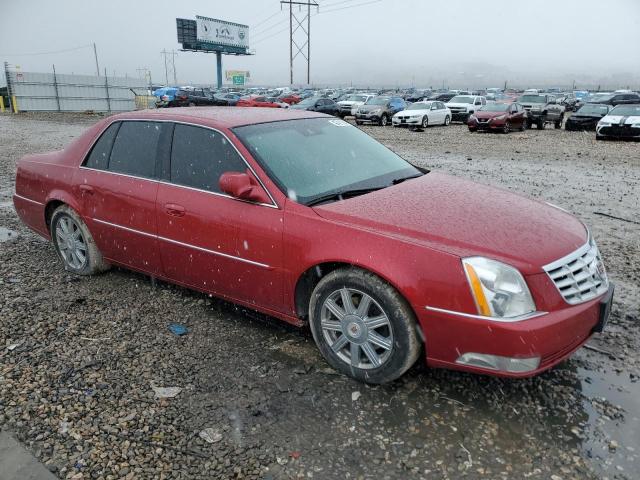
(27, 199)
(274, 204)
(519, 318)
(188, 245)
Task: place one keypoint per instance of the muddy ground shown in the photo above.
(79, 356)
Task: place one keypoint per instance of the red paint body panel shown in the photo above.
(413, 235)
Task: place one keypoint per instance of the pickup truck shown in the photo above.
(463, 106)
(542, 109)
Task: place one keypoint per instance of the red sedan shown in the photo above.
(305, 217)
(502, 117)
(257, 101)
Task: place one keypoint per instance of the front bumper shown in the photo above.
(460, 116)
(367, 118)
(552, 337)
(582, 124)
(406, 122)
(618, 131)
(490, 124)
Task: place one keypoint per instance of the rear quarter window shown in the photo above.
(98, 158)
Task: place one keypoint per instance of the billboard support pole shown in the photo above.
(55, 87)
(219, 65)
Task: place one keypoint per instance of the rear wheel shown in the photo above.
(74, 244)
(362, 326)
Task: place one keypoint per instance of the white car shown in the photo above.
(463, 106)
(347, 106)
(422, 114)
(622, 121)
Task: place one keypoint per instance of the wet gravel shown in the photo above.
(80, 357)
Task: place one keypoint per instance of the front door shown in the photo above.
(117, 186)
(209, 240)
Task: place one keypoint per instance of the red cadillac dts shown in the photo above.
(306, 218)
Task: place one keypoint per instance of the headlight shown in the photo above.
(499, 290)
(376, 111)
(472, 117)
(604, 124)
(535, 109)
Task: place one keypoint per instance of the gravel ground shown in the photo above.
(80, 356)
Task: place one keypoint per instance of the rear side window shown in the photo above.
(99, 156)
(200, 155)
(135, 148)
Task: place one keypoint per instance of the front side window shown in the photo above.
(99, 156)
(200, 155)
(135, 148)
(313, 157)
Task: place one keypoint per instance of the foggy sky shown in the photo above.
(458, 43)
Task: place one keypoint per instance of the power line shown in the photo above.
(46, 53)
(270, 27)
(266, 19)
(348, 6)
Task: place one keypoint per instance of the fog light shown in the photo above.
(496, 362)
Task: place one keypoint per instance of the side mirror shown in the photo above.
(243, 186)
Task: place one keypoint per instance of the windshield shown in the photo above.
(419, 106)
(461, 99)
(626, 110)
(311, 158)
(377, 101)
(601, 97)
(356, 98)
(532, 99)
(308, 101)
(597, 109)
(495, 107)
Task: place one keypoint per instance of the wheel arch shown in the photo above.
(309, 279)
(56, 199)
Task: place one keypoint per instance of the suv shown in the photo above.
(463, 106)
(542, 109)
(379, 110)
(351, 102)
(618, 99)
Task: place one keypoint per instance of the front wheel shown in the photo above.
(362, 326)
(425, 121)
(506, 128)
(384, 120)
(447, 120)
(523, 125)
(74, 244)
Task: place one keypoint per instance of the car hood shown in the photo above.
(350, 103)
(626, 120)
(370, 108)
(455, 104)
(403, 113)
(482, 114)
(297, 106)
(465, 219)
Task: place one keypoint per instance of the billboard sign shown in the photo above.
(221, 32)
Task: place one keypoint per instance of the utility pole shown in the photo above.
(95, 54)
(300, 24)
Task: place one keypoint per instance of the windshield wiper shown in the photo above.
(342, 195)
(396, 181)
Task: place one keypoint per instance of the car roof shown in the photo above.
(220, 117)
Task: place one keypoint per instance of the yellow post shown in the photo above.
(1, 104)
(14, 103)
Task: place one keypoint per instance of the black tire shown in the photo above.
(191, 104)
(404, 344)
(425, 122)
(507, 127)
(94, 262)
(384, 120)
(599, 137)
(540, 124)
(523, 126)
(473, 129)
(447, 120)
(358, 122)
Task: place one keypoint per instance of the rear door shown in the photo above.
(117, 186)
(209, 240)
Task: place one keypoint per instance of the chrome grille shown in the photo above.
(580, 276)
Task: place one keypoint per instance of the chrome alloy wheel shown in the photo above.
(356, 328)
(71, 243)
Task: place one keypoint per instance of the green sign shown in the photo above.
(238, 79)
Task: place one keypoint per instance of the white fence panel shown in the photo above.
(36, 91)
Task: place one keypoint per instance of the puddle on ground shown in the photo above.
(7, 235)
